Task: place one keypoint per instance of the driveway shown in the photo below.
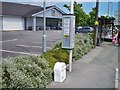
(17, 43)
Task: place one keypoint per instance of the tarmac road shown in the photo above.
(15, 43)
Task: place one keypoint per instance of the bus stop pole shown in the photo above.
(70, 56)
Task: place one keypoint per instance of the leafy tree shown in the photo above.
(92, 16)
(81, 17)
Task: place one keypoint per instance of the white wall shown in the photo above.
(13, 23)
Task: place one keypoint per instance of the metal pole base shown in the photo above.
(44, 43)
(70, 61)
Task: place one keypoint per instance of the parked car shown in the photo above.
(85, 29)
(58, 28)
(78, 27)
(51, 27)
(38, 28)
(30, 28)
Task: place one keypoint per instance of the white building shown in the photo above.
(21, 16)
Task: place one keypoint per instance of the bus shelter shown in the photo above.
(106, 29)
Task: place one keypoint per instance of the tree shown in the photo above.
(81, 17)
(92, 16)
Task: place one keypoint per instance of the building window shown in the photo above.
(53, 12)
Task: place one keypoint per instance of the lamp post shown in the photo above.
(44, 31)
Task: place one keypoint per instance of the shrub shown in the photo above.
(36, 68)
(26, 72)
(83, 44)
(56, 55)
(91, 35)
(1, 74)
(58, 45)
(12, 77)
(49, 57)
(61, 55)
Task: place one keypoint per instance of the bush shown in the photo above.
(25, 72)
(1, 74)
(58, 45)
(61, 55)
(49, 57)
(11, 76)
(83, 44)
(92, 35)
(56, 55)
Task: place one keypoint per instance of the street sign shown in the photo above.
(66, 27)
(68, 32)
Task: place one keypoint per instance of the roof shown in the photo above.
(39, 9)
(50, 7)
(17, 9)
(25, 10)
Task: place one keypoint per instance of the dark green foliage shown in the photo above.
(61, 55)
(56, 55)
(81, 17)
(49, 56)
(58, 45)
(92, 35)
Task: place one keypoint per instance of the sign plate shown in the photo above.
(66, 27)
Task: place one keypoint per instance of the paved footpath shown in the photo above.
(93, 71)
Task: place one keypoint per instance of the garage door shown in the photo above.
(13, 23)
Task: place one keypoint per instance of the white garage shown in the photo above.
(13, 23)
(16, 16)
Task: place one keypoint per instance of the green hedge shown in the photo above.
(83, 44)
(91, 35)
(25, 72)
(56, 55)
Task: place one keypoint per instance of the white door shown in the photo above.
(13, 23)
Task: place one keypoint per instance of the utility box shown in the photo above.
(68, 32)
(59, 72)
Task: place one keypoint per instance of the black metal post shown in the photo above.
(96, 26)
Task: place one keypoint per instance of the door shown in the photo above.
(13, 23)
